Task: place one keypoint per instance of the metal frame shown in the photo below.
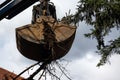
(10, 8)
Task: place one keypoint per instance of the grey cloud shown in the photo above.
(82, 67)
(81, 45)
(85, 69)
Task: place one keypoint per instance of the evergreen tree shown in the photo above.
(102, 15)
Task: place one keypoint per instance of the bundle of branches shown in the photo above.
(46, 70)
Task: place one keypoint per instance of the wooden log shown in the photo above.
(34, 40)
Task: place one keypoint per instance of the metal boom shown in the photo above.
(10, 8)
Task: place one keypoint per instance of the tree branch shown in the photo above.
(26, 70)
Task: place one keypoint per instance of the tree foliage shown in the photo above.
(102, 15)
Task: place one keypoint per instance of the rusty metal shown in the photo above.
(31, 41)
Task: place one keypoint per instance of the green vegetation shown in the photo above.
(102, 15)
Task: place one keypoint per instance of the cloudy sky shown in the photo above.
(82, 56)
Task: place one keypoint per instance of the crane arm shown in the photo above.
(10, 8)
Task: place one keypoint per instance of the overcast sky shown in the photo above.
(82, 56)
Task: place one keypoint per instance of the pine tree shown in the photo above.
(102, 15)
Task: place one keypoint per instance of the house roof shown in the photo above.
(7, 75)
